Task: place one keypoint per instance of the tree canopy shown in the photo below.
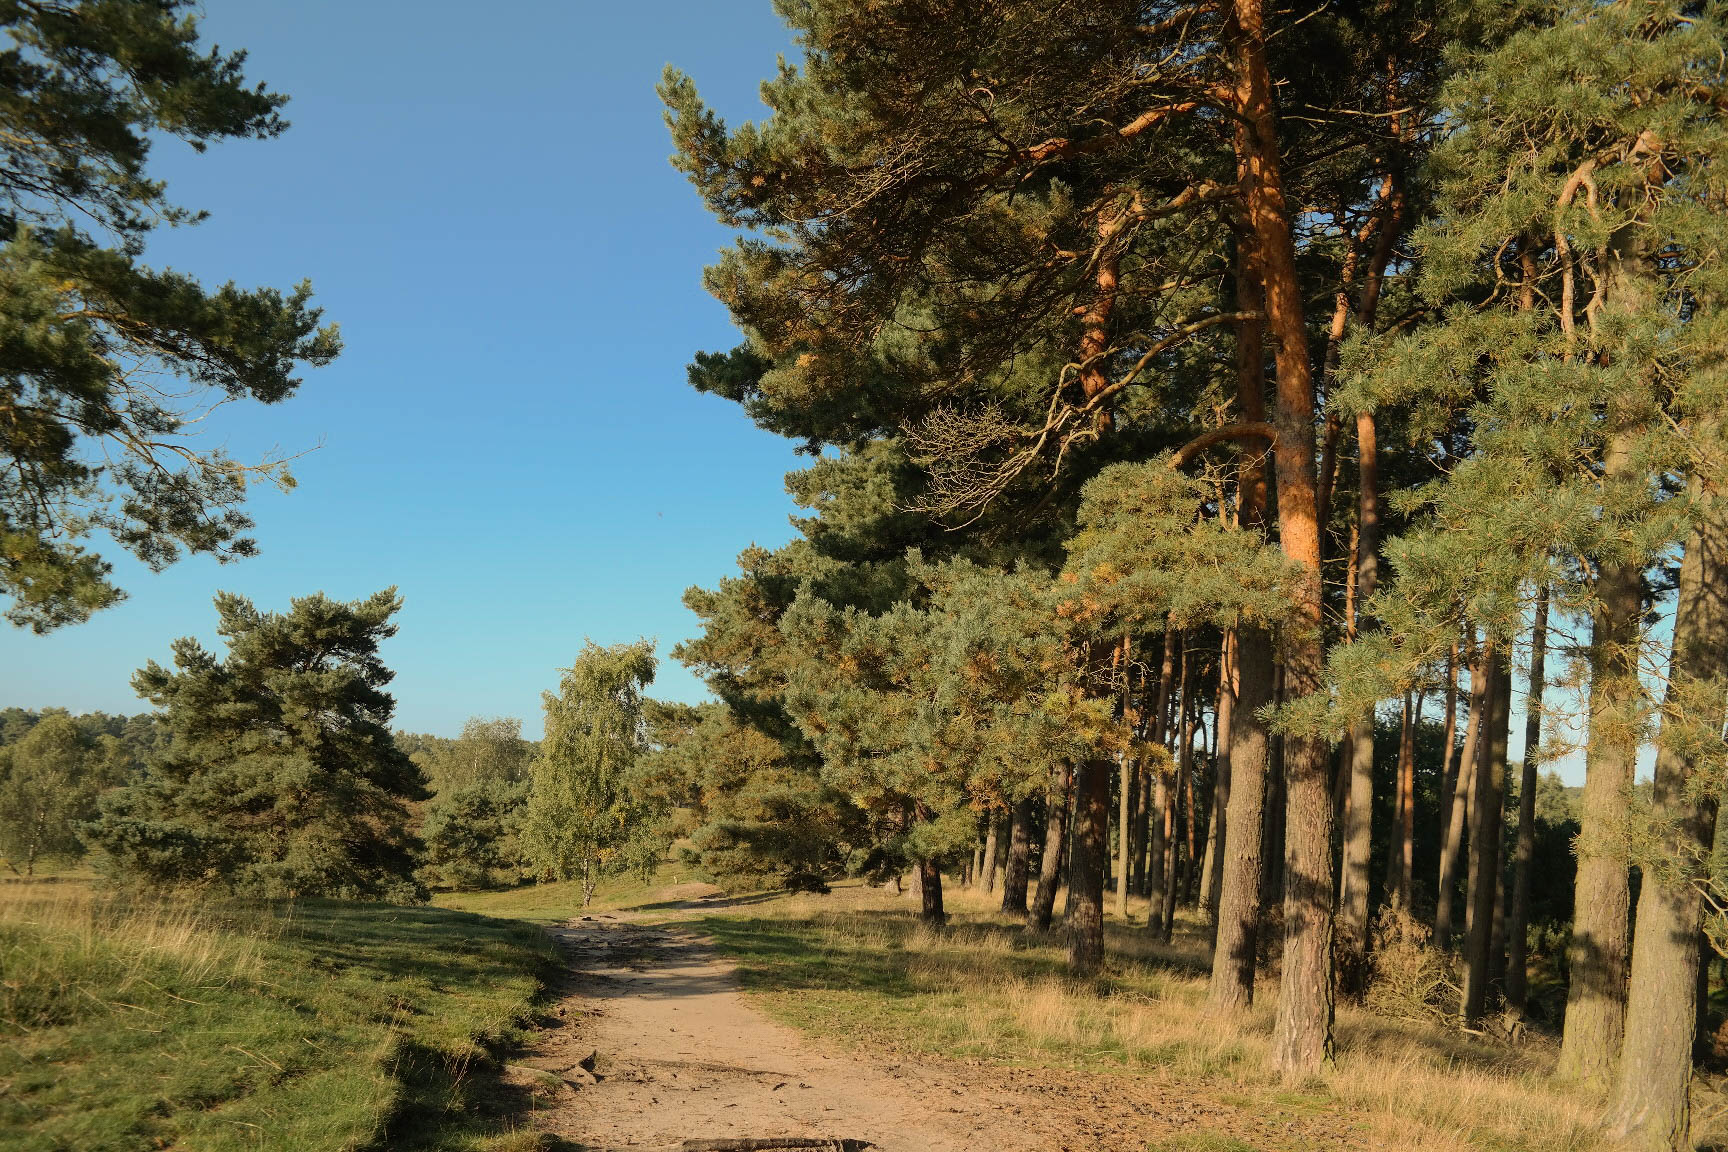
(106, 364)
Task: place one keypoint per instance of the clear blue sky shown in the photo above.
(485, 206)
(481, 198)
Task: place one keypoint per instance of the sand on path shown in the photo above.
(657, 1014)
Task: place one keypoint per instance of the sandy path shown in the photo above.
(682, 1056)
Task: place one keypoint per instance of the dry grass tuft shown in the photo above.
(67, 950)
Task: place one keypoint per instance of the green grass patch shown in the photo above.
(312, 1026)
(555, 903)
(1201, 1142)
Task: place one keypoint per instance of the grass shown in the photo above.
(859, 965)
(313, 1026)
(555, 903)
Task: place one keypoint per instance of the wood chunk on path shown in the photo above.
(681, 1056)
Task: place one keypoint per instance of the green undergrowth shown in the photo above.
(320, 1025)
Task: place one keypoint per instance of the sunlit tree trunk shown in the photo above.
(1249, 665)
(1651, 1101)
(1597, 953)
(1302, 1034)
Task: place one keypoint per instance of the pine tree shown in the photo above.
(1571, 271)
(107, 362)
(280, 777)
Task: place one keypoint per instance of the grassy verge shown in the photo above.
(981, 990)
(314, 1026)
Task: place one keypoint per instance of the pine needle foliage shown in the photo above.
(106, 365)
(280, 777)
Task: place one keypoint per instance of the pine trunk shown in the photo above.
(1234, 954)
(1359, 819)
(1401, 856)
(1212, 873)
(1596, 956)
(1485, 825)
(1124, 829)
(1014, 876)
(990, 839)
(1050, 862)
(1651, 1102)
(1167, 919)
(1090, 856)
(1302, 1035)
(930, 892)
(1156, 864)
(1353, 890)
(1449, 753)
(1142, 826)
(1163, 869)
(1518, 916)
(1457, 804)
(1598, 951)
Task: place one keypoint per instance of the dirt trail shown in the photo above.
(681, 1056)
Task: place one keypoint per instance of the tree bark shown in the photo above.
(1302, 1033)
(1181, 796)
(1014, 876)
(1485, 833)
(1359, 819)
(1142, 824)
(1518, 916)
(1234, 954)
(1597, 953)
(1249, 666)
(1401, 856)
(1217, 826)
(1163, 794)
(930, 892)
(1050, 862)
(1124, 829)
(1091, 855)
(1457, 804)
(990, 839)
(1449, 754)
(1157, 859)
(1651, 1107)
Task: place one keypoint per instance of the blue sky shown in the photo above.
(486, 208)
(482, 200)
